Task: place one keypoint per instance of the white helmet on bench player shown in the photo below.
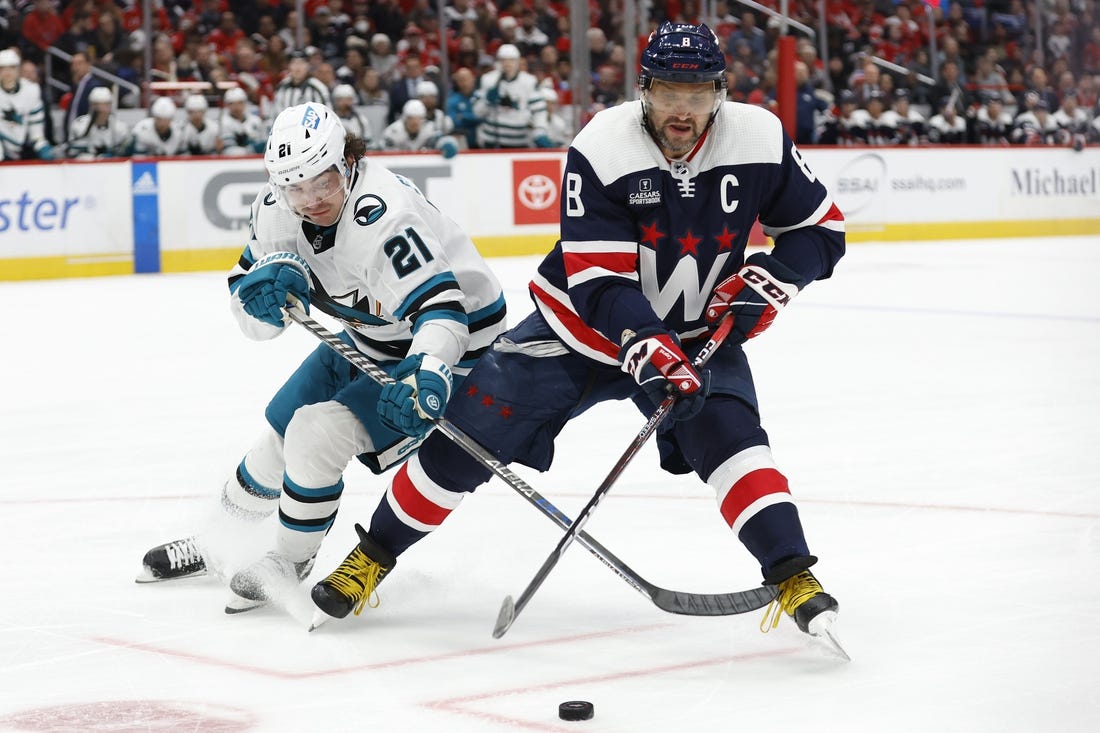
(305, 148)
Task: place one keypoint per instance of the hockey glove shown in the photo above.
(264, 290)
(755, 295)
(654, 358)
(544, 141)
(417, 397)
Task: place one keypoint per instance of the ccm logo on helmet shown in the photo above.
(685, 66)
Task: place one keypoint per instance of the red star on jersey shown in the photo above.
(651, 235)
(506, 412)
(471, 390)
(725, 239)
(487, 401)
(688, 243)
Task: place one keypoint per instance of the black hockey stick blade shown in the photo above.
(505, 618)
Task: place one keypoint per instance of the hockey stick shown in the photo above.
(672, 601)
(510, 609)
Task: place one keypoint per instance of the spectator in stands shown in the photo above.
(608, 89)
(987, 78)
(79, 37)
(842, 126)
(383, 59)
(158, 134)
(866, 82)
(880, 125)
(456, 12)
(809, 106)
(599, 48)
(506, 34)
(751, 34)
(201, 136)
(530, 39)
(411, 70)
(22, 114)
(818, 76)
(948, 127)
(950, 88)
(344, 101)
(108, 40)
(98, 134)
(460, 107)
(299, 86)
(289, 32)
(355, 60)
(42, 26)
(513, 112)
(375, 100)
(329, 33)
(246, 67)
(225, 37)
(82, 85)
(1037, 82)
(242, 130)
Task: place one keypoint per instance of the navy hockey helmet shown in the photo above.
(683, 53)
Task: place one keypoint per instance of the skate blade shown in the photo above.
(237, 604)
(319, 618)
(823, 627)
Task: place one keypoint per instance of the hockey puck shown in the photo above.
(576, 710)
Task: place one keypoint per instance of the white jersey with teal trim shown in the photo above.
(88, 140)
(22, 119)
(400, 275)
(242, 136)
(147, 141)
(513, 111)
(396, 137)
(200, 142)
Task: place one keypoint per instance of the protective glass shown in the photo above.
(697, 99)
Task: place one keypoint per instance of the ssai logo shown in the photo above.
(368, 209)
(27, 214)
(311, 119)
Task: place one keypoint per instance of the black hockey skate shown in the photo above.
(351, 586)
(803, 599)
(171, 561)
(269, 577)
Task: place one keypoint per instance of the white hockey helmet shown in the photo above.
(236, 94)
(414, 108)
(163, 108)
(100, 95)
(425, 88)
(343, 91)
(9, 57)
(196, 103)
(306, 141)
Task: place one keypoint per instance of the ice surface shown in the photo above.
(935, 406)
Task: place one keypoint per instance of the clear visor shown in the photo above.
(697, 100)
(312, 193)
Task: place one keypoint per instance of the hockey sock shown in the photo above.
(414, 506)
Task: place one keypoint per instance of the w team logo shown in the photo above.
(536, 191)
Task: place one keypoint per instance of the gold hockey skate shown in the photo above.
(814, 611)
(353, 584)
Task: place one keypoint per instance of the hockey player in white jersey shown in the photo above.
(100, 133)
(512, 110)
(413, 131)
(344, 101)
(340, 233)
(242, 131)
(22, 114)
(200, 134)
(158, 134)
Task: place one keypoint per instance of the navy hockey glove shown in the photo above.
(264, 290)
(755, 295)
(417, 397)
(654, 358)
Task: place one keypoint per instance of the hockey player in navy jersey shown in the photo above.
(343, 234)
(652, 255)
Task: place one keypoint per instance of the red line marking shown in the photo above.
(457, 704)
(285, 675)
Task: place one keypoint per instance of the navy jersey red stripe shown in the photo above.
(645, 240)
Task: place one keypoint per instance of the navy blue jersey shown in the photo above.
(644, 240)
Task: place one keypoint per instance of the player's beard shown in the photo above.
(673, 143)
